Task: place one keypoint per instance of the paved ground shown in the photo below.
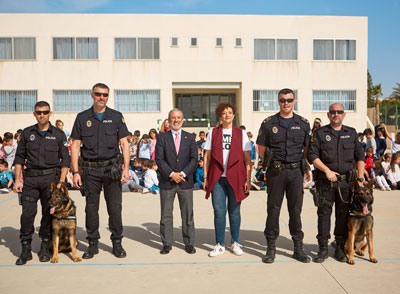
(144, 270)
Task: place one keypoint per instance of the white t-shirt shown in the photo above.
(226, 145)
(395, 146)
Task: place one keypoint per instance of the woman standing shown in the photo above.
(153, 142)
(227, 175)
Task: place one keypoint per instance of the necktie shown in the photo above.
(177, 142)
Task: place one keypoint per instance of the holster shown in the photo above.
(351, 176)
(115, 172)
(320, 201)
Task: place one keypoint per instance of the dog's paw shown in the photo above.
(77, 259)
(351, 261)
(360, 253)
(54, 260)
(374, 260)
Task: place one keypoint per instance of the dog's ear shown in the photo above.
(53, 186)
(64, 189)
(370, 185)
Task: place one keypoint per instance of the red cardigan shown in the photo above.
(236, 170)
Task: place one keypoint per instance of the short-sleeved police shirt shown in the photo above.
(287, 144)
(100, 138)
(38, 151)
(338, 152)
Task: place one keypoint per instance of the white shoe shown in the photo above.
(236, 249)
(383, 189)
(5, 190)
(145, 190)
(218, 250)
(388, 189)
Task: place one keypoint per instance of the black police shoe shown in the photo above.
(118, 251)
(323, 251)
(269, 256)
(190, 249)
(92, 250)
(26, 253)
(44, 253)
(165, 250)
(339, 251)
(298, 252)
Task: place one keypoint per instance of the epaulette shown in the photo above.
(304, 119)
(268, 119)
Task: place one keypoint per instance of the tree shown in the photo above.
(370, 98)
(376, 92)
(396, 93)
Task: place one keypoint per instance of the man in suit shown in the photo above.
(176, 157)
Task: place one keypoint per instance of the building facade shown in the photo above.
(153, 63)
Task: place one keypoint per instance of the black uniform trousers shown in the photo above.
(291, 181)
(324, 212)
(96, 179)
(36, 188)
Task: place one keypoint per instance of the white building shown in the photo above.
(153, 63)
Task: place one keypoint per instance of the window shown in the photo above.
(193, 42)
(271, 49)
(137, 48)
(238, 42)
(17, 101)
(174, 41)
(334, 50)
(72, 100)
(137, 100)
(322, 99)
(17, 48)
(218, 42)
(198, 106)
(267, 100)
(75, 48)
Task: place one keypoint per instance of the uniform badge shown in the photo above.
(275, 130)
(65, 143)
(123, 120)
(89, 123)
(32, 137)
(312, 139)
(328, 138)
(259, 132)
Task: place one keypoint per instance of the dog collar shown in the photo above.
(72, 217)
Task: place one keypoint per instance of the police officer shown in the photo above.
(284, 137)
(43, 149)
(334, 150)
(101, 130)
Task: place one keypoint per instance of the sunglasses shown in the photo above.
(336, 111)
(98, 94)
(283, 100)
(39, 112)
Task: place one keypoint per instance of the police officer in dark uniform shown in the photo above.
(43, 149)
(283, 139)
(101, 130)
(335, 151)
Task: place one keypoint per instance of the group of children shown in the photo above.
(8, 148)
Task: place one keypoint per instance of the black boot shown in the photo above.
(92, 250)
(298, 252)
(118, 251)
(44, 253)
(323, 251)
(26, 253)
(269, 256)
(339, 250)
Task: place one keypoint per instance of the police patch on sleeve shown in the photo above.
(65, 143)
(123, 120)
(259, 132)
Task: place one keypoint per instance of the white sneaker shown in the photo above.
(5, 190)
(145, 190)
(388, 189)
(218, 250)
(236, 248)
(383, 189)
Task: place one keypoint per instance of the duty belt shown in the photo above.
(98, 163)
(292, 165)
(40, 172)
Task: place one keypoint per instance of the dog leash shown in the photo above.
(340, 192)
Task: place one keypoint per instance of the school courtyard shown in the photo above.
(144, 270)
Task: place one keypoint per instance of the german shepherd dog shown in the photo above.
(63, 210)
(360, 223)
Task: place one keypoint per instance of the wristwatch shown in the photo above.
(360, 179)
(75, 172)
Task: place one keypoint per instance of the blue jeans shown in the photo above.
(222, 193)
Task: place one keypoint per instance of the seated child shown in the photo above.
(150, 177)
(308, 178)
(198, 185)
(6, 177)
(133, 183)
(394, 172)
(138, 170)
(378, 175)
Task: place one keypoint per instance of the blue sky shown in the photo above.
(383, 19)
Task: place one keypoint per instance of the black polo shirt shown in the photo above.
(38, 151)
(287, 142)
(100, 138)
(339, 152)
